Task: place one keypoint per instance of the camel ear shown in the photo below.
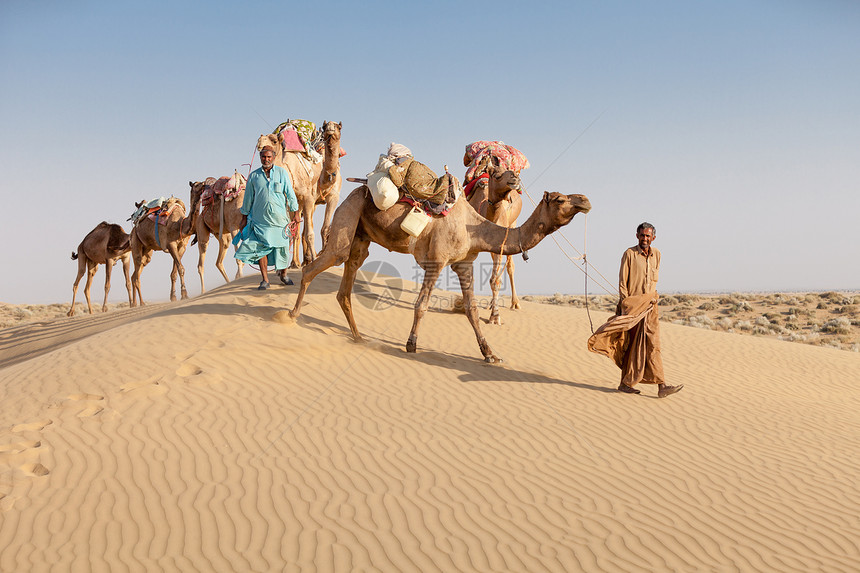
(340, 124)
(546, 196)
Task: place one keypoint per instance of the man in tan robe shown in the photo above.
(631, 338)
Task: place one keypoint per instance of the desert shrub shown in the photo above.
(728, 300)
(688, 298)
(839, 325)
(762, 321)
(793, 337)
(742, 306)
(701, 321)
(667, 300)
(744, 325)
(847, 309)
(821, 306)
(774, 317)
(709, 305)
(831, 296)
(760, 330)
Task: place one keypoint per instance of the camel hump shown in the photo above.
(118, 240)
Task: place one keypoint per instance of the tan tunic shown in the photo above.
(638, 273)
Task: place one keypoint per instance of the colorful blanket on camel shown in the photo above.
(306, 130)
(479, 153)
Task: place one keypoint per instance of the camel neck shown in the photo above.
(511, 241)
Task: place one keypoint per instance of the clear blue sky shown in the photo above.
(733, 126)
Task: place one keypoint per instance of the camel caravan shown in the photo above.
(402, 205)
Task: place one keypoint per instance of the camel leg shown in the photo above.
(495, 287)
(357, 254)
(178, 269)
(308, 251)
(108, 268)
(126, 263)
(141, 257)
(91, 272)
(337, 251)
(431, 274)
(202, 246)
(515, 301)
(330, 206)
(465, 273)
(82, 268)
(297, 248)
(223, 245)
(239, 264)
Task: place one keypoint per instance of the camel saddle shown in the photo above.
(416, 179)
(450, 191)
(215, 189)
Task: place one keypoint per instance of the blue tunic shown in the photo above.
(267, 203)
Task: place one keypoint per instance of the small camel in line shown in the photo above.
(104, 245)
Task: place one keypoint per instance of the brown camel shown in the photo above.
(172, 238)
(497, 199)
(320, 183)
(219, 216)
(455, 239)
(104, 245)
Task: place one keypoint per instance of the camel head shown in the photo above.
(190, 220)
(273, 140)
(331, 130)
(502, 181)
(557, 209)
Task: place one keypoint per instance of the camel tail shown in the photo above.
(74, 256)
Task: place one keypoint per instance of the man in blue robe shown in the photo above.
(269, 199)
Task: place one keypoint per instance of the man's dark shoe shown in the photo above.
(668, 390)
(263, 285)
(627, 389)
(286, 280)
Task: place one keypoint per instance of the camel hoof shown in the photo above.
(515, 306)
(71, 313)
(494, 319)
(493, 359)
(411, 345)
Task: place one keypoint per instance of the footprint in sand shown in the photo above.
(18, 447)
(32, 426)
(189, 369)
(193, 374)
(84, 396)
(140, 388)
(36, 470)
(89, 410)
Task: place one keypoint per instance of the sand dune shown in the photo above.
(214, 435)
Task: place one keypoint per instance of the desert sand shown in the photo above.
(216, 434)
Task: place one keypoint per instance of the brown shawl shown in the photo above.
(631, 339)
